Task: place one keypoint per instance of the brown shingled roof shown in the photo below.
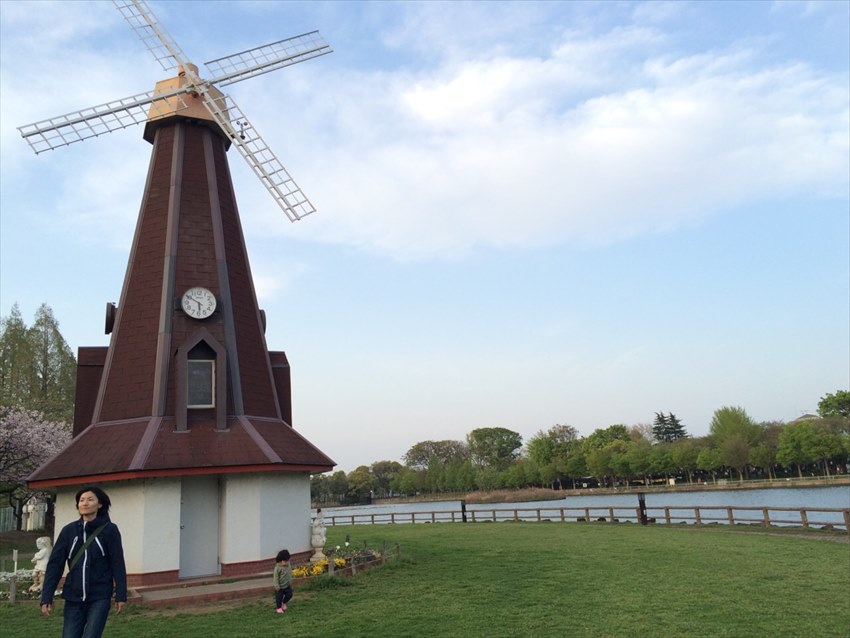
(121, 449)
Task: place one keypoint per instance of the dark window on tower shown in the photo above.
(201, 373)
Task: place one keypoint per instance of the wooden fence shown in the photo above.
(8, 522)
(806, 517)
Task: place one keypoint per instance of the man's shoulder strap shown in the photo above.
(85, 545)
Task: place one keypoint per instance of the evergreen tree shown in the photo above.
(15, 361)
(668, 428)
(675, 428)
(37, 368)
(54, 367)
(659, 426)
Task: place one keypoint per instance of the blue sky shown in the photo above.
(529, 213)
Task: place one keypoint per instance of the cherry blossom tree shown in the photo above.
(27, 440)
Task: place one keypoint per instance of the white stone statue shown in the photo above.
(45, 547)
(318, 536)
(34, 514)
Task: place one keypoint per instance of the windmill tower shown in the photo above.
(186, 416)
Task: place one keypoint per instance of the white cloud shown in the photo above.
(500, 158)
(582, 137)
(272, 277)
(659, 12)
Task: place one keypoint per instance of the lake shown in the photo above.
(624, 504)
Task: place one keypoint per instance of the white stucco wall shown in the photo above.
(264, 513)
(260, 515)
(147, 512)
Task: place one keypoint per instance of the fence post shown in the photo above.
(730, 516)
(667, 515)
(804, 517)
(766, 517)
(13, 582)
(697, 517)
(462, 511)
(641, 508)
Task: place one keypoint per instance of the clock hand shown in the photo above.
(197, 302)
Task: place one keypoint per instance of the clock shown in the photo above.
(198, 302)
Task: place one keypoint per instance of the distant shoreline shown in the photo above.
(542, 494)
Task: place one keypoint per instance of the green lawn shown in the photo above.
(537, 579)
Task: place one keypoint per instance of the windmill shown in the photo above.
(186, 416)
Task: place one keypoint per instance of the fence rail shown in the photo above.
(805, 517)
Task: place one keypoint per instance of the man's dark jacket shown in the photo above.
(101, 564)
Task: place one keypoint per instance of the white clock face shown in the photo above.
(198, 302)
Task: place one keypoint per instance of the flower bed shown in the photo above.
(343, 557)
(23, 580)
(317, 569)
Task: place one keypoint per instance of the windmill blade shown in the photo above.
(80, 125)
(156, 38)
(259, 156)
(97, 120)
(269, 57)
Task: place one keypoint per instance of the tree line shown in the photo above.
(38, 376)
(736, 448)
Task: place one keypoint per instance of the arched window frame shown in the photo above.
(219, 375)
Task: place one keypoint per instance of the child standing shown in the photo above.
(282, 581)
